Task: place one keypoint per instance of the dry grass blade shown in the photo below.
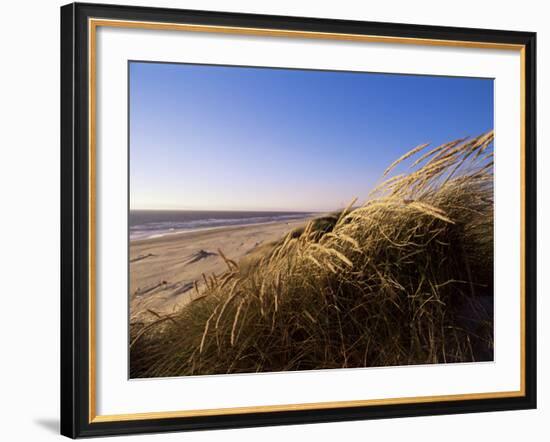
(235, 320)
(404, 157)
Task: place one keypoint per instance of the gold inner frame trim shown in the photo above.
(93, 24)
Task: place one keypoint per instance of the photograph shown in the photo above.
(286, 219)
(282, 217)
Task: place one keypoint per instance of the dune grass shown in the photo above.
(405, 278)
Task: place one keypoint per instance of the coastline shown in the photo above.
(206, 229)
(163, 269)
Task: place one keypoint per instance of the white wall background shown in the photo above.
(29, 219)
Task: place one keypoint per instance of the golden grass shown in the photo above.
(406, 278)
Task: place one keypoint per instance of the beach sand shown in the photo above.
(163, 270)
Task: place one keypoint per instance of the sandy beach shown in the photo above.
(163, 270)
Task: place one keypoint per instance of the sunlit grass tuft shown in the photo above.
(405, 278)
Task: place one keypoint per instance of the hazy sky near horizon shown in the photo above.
(237, 138)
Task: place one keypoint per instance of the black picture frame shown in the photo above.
(75, 220)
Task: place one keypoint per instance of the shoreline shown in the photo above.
(235, 226)
(163, 270)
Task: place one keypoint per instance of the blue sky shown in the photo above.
(238, 138)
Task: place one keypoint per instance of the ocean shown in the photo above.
(156, 223)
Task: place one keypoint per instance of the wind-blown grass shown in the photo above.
(406, 278)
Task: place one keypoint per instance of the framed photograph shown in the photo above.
(275, 220)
